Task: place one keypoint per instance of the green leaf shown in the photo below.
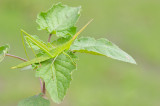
(67, 33)
(101, 47)
(3, 51)
(60, 41)
(57, 76)
(55, 51)
(59, 20)
(36, 100)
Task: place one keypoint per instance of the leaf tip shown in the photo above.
(134, 62)
(131, 60)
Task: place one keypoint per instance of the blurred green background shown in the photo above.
(134, 25)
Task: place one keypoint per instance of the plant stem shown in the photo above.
(43, 89)
(10, 55)
(49, 39)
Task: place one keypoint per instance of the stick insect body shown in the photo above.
(49, 53)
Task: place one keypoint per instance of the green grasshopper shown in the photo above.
(49, 52)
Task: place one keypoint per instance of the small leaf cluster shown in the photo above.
(3, 51)
(55, 61)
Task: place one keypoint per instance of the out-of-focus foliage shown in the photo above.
(133, 25)
(36, 100)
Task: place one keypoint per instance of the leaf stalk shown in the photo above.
(17, 57)
(49, 38)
